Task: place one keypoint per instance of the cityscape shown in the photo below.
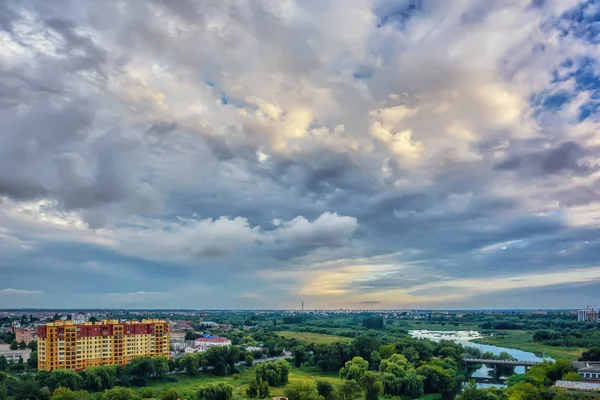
(299, 199)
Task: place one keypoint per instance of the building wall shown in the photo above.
(25, 335)
(587, 315)
(62, 344)
(14, 355)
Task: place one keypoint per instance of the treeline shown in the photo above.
(568, 337)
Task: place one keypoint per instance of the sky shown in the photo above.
(358, 154)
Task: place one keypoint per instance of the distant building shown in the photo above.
(79, 319)
(205, 343)
(25, 335)
(178, 336)
(588, 314)
(588, 370)
(178, 346)
(14, 355)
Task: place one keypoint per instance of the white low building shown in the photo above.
(14, 355)
(205, 343)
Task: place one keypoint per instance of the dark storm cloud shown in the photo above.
(568, 157)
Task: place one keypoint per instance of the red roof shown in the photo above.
(212, 340)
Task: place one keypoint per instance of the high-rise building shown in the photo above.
(62, 344)
(588, 314)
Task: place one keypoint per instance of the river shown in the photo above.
(465, 337)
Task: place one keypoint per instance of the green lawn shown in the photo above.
(187, 385)
(241, 381)
(308, 337)
(523, 340)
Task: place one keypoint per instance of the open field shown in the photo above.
(523, 340)
(240, 382)
(308, 337)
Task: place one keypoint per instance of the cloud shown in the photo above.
(342, 152)
(20, 292)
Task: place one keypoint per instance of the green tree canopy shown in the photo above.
(354, 369)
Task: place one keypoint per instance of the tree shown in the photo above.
(161, 366)
(437, 379)
(14, 345)
(120, 393)
(299, 356)
(592, 354)
(22, 345)
(32, 345)
(375, 360)
(3, 364)
(372, 385)
(32, 362)
(93, 319)
(258, 389)
(220, 391)
(275, 374)
(191, 335)
(66, 378)
(101, 377)
(62, 393)
(301, 391)
(386, 351)
(572, 376)
(189, 363)
(325, 390)
(374, 322)
(139, 370)
(169, 394)
(472, 392)
(147, 393)
(354, 369)
(249, 360)
(23, 389)
(350, 390)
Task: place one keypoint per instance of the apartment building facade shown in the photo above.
(63, 344)
(25, 335)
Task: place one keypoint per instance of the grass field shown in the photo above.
(523, 340)
(308, 337)
(188, 386)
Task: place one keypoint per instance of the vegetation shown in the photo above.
(307, 337)
(523, 340)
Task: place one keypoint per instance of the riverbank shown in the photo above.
(523, 340)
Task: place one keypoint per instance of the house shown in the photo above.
(178, 346)
(588, 370)
(190, 350)
(178, 336)
(206, 342)
(79, 319)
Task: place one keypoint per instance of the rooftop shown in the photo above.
(577, 385)
(586, 366)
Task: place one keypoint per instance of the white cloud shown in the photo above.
(19, 292)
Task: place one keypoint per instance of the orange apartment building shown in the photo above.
(62, 344)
